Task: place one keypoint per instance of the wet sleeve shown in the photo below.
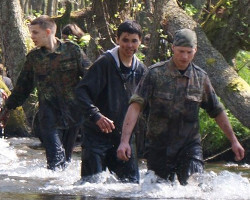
(24, 86)
(210, 101)
(89, 88)
(83, 61)
(143, 91)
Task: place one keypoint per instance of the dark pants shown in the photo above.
(99, 153)
(1, 131)
(58, 143)
(59, 146)
(183, 165)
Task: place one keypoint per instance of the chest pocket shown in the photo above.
(162, 104)
(67, 63)
(41, 68)
(192, 104)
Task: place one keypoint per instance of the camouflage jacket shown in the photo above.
(174, 100)
(55, 76)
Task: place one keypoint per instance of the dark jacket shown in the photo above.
(105, 90)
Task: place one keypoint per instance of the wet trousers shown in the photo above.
(58, 143)
(59, 146)
(99, 153)
(183, 165)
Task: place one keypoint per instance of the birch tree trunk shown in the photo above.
(14, 34)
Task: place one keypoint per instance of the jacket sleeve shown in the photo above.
(83, 62)
(90, 87)
(24, 86)
(210, 101)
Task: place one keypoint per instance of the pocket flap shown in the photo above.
(164, 95)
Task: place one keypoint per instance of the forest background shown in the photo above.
(222, 27)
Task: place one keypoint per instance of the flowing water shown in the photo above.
(23, 176)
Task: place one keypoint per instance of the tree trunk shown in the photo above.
(101, 22)
(51, 7)
(26, 7)
(198, 5)
(37, 5)
(154, 28)
(233, 90)
(13, 36)
(230, 23)
(22, 2)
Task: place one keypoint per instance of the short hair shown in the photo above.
(44, 21)
(72, 29)
(129, 26)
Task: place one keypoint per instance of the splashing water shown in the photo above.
(23, 172)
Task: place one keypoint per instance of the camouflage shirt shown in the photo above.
(174, 100)
(55, 76)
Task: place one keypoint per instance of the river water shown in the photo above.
(23, 176)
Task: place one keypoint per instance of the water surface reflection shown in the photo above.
(23, 175)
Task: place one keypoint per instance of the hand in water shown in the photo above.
(124, 151)
(238, 151)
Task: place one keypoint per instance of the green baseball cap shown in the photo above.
(185, 38)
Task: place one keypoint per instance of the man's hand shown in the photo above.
(105, 124)
(238, 151)
(124, 151)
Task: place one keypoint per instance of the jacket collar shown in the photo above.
(114, 53)
(175, 72)
(58, 50)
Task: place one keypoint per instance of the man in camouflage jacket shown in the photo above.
(174, 91)
(54, 68)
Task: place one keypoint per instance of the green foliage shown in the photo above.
(61, 11)
(36, 14)
(82, 42)
(139, 53)
(190, 9)
(113, 27)
(214, 139)
(137, 7)
(242, 65)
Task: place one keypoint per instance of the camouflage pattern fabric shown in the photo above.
(174, 101)
(55, 76)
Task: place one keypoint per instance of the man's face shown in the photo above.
(39, 36)
(183, 56)
(129, 44)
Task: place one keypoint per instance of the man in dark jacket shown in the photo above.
(174, 91)
(54, 68)
(104, 94)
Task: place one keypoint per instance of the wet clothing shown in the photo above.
(55, 76)
(174, 100)
(106, 90)
(99, 153)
